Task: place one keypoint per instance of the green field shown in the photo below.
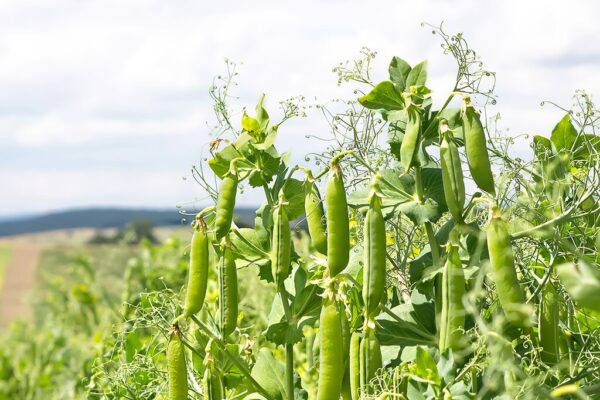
(5, 254)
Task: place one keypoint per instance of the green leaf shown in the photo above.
(307, 301)
(582, 282)
(417, 75)
(399, 195)
(261, 114)
(564, 134)
(383, 96)
(250, 124)
(222, 159)
(542, 147)
(249, 248)
(404, 329)
(269, 164)
(426, 367)
(399, 70)
(282, 333)
(269, 374)
(294, 194)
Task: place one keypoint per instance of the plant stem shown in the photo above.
(433, 246)
(233, 358)
(289, 347)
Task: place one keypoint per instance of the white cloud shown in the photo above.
(90, 75)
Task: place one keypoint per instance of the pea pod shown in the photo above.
(198, 269)
(410, 142)
(331, 355)
(504, 273)
(354, 364)
(228, 292)
(346, 390)
(548, 328)
(213, 385)
(370, 358)
(373, 288)
(453, 311)
(226, 202)
(452, 175)
(313, 208)
(338, 225)
(281, 244)
(476, 148)
(177, 370)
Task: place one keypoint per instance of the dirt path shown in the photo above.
(19, 279)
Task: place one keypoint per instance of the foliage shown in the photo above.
(520, 320)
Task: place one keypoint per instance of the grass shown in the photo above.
(5, 254)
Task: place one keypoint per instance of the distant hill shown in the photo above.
(101, 218)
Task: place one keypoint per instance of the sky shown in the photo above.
(105, 102)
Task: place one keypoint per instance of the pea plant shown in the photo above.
(434, 265)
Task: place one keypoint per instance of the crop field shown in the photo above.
(413, 258)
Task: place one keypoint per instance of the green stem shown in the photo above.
(433, 246)
(232, 357)
(289, 347)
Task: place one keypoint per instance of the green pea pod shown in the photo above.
(346, 392)
(504, 273)
(228, 291)
(281, 245)
(548, 328)
(453, 311)
(198, 270)
(452, 175)
(410, 142)
(213, 385)
(355, 365)
(177, 370)
(313, 207)
(370, 358)
(226, 202)
(476, 148)
(338, 225)
(331, 356)
(373, 288)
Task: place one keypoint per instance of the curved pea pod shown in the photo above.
(226, 203)
(281, 245)
(452, 320)
(198, 270)
(315, 215)
(452, 175)
(354, 364)
(548, 325)
(213, 384)
(370, 358)
(373, 288)
(476, 148)
(177, 370)
(331, 356)
(338, 224)
(410, 142)
(504, 273)
(228, 291)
